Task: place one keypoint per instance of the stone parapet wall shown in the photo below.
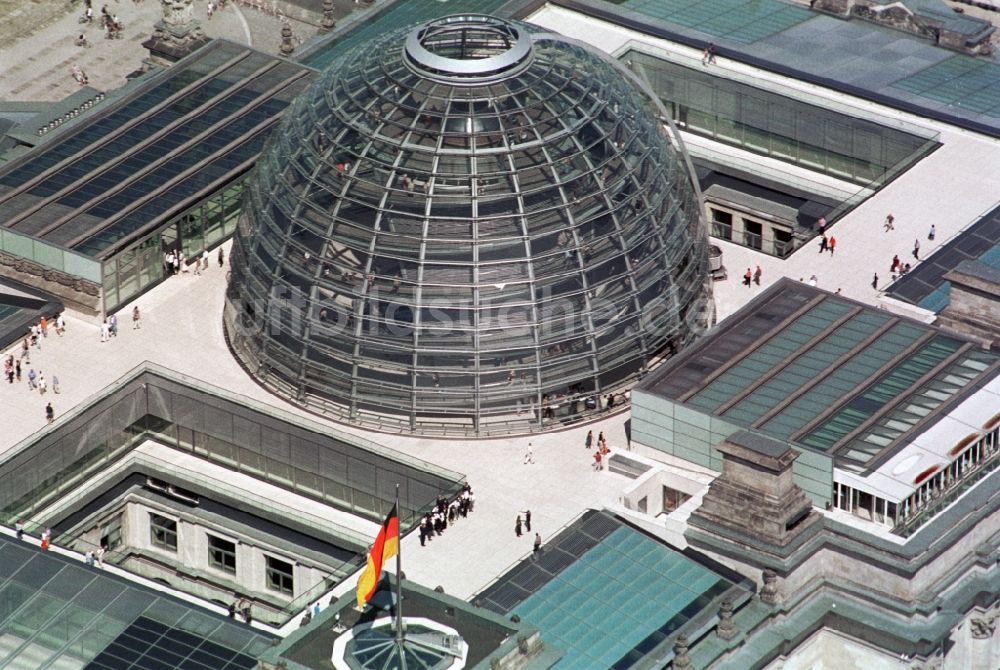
(75, 293)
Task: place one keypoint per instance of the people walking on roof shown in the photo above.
(708, 55)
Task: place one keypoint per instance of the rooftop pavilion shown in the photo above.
(154, 167)
(880, 404)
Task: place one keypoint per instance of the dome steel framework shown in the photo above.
(466, 228)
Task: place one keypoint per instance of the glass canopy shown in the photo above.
(467, 228)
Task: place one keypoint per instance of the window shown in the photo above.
(111, 533)
(222, 554)
(163, 532)
(722, 224)
(279, 575)
(753, 234)
(672, 499)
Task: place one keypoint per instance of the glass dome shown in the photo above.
(467, 228)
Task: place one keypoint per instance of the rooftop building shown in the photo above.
(121, 179)
(868, 397)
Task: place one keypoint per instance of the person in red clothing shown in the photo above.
(833, 244)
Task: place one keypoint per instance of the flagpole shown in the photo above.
(399, 580)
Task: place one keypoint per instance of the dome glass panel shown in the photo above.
(467, 228)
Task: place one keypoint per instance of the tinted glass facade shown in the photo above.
(465, 229)
(849, 148)
(344, 472)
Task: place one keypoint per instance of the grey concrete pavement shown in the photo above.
(38, 40)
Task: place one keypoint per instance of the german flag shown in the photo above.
(385, 547)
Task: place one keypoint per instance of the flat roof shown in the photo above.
(608, 593)
(925, 285)
(57, 611)
(825, 373)
(857, 57)
(157, 150)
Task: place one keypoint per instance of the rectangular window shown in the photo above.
(222, 554)
(672, 499)
(111, 533)
(722, 224)
(163, 532)
(279, 575)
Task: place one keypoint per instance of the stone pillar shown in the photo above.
(726, 629)
(756, 495)
(974, 304)
(681, 659)
(286, 40)
(769, 591)
(176, 34)
(328, 23)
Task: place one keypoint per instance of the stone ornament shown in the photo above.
(726, 629)
(177, 12)
(982, 628)
(769, 591)
(681, 659)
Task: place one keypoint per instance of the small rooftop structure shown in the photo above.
(872, 401)
(974, 307)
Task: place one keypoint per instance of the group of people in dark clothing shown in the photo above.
(445, 513)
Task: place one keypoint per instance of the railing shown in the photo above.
(946, 496)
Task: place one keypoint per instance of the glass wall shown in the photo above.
(50, 256)
(298, 456)
(766, 123)
(141, 266)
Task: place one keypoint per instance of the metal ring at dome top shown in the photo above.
(468, 35)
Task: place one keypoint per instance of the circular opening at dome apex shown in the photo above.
(467, 46)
